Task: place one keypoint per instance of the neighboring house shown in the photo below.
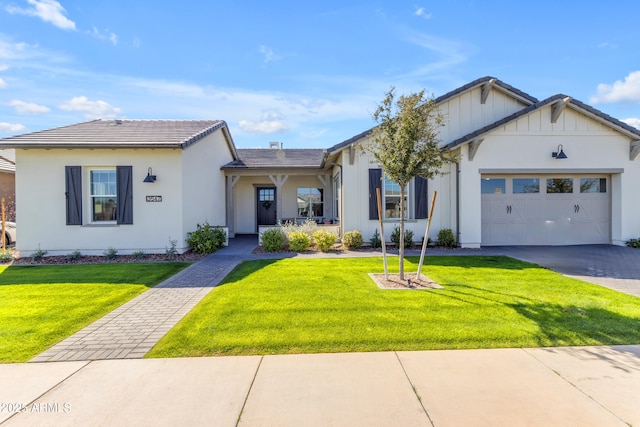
(124, 184)
(8, 182)
(530, 172)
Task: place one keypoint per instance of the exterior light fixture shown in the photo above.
(150, 177)
(559, 154)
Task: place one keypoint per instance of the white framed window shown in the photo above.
(310, 202)
(391, 199)
(103, 194)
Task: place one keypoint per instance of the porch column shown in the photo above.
(278, 181)
(232, 180)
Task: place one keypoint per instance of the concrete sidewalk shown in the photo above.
(575, 386)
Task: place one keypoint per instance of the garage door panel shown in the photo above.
(561, 218)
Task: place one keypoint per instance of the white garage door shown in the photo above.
(545, 210)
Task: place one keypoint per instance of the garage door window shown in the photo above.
(493, 185)
(593, 185)
(559, 185)
(526, 185)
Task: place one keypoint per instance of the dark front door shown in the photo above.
(266, 206)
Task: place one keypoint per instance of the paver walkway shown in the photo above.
(135, 327)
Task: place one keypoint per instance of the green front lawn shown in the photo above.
(331, 305)
(42, 305)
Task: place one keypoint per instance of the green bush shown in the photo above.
(75, 255)
(352, 239)
(324, 240)
(171, 251)
(206, 239)
(139, 254)
(38, 254)
(408, 237)
(272, 240)
(110, 253)
(375, 241)
(299, 241)
(633, 243)
(446, 238)
(6, 255)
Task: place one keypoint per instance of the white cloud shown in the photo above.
(420, 12)
(22, 107)
(627, 90)
(3, 84)
(11, 127)
(92, 109)
(266, 126)
(104, 35)
(632, 121)
(268, 54)
(48, 10)
(4, 67)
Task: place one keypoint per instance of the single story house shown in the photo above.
(530, 172)
(8, 182)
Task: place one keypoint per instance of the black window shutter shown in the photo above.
(124, 176)
(375, 181)
(421, 198)
(73, 194)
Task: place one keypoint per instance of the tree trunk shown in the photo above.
(401, 248)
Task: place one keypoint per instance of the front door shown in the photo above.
(266, 206)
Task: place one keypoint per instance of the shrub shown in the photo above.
(272, 240)
(299, 241)
(139, 254)
(446, 238)
(324, 240)
(375, 240)
(75, 255)
(110, 253)
(206, 239)
(352, 239)
(308, 227)
(633, 243)
(408, 237)
(6, 255)
(171, 251)
(38, 254)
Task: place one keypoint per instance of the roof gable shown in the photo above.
(486, 83)
(556, 101)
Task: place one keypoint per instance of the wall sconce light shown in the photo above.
(150, 177)
(559, 154)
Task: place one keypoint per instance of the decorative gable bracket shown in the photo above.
(473, 147)
(558, 107)
(634, 149)
(486, 88)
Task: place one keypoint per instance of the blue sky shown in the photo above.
(307, 74)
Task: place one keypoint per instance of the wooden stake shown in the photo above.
(4, 236)
(384, 245)
(426, 234)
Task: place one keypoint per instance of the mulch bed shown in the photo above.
(410, 281)
(119, 259)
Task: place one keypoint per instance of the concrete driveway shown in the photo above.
(615, 267)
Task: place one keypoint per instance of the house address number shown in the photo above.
(154, 198)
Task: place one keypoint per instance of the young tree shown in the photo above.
(406, 144)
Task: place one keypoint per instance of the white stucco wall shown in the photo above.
(203, 183)
(40, 194)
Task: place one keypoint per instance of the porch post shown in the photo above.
(278, 181)
(232, 180)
